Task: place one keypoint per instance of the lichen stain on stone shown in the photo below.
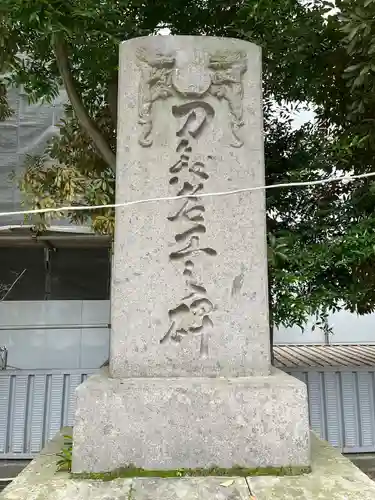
(238, 282)
(130, 472)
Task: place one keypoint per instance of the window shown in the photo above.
(37, 273)
(80, 274)
(22, 273)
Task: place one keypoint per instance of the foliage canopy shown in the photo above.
(321, 238)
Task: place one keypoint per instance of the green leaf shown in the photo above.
(359, 80)
(353, 32)
(352, 68)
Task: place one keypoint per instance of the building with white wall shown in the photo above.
(53, 288)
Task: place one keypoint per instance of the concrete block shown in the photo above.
(159, 423)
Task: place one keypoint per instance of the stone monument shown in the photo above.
(190, 383)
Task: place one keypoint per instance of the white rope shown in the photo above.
(188, 196)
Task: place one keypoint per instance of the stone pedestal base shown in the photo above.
(333, 477)
(163, 423)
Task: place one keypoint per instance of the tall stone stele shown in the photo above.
(190, 383)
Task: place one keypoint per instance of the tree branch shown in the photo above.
(83, 117)
(5, 110)
(112, 99)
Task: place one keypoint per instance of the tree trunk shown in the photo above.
(112, 99)
(80, 111)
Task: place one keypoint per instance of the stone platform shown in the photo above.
(174, 423)
(333, 477)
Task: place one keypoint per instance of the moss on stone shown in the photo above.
(131, 471)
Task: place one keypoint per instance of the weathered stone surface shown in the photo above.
(194, 488)
(333, 477)
(189, 294)
(159, 423)
(41, 481)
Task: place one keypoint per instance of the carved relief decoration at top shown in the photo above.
(158, 82)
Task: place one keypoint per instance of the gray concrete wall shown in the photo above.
(55, 334)
(75, 334)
